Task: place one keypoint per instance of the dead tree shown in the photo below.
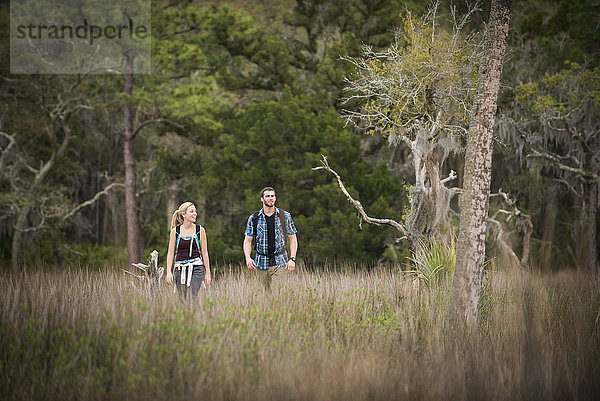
(420, 92)
(150, 280)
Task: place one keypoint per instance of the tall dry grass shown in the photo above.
(83, 334)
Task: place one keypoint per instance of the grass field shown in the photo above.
(89, 335)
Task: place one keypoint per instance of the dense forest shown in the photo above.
(245, 94)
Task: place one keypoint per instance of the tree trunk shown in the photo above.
(133, 230)
(536, 204)
(201, 209)
(548, 228)
(586, 250)
(171, 203)
(470, 248)
(134, 239)
(17, 239)
(586, 233)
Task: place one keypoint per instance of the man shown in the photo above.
(267, 226)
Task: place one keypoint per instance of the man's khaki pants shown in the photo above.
(272, 276)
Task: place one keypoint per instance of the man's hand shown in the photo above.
(250, 264)
(291, 266)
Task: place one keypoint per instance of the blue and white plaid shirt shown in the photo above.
(262, 261)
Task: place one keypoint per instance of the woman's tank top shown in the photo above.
(183, 249)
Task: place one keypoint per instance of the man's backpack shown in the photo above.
(198, 235)
(281, 220)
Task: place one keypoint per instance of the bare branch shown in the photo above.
(11, 142)
(74, 110)
(32, 229)
(556, 160)
(3, 117)
(135, 275)
(357, 204)
(501, 237)
(93, 200)
(455, 191)
(156, 121)
(452, 176)
(112, 71)
(568, 185)
(524, 223)
(504, 196)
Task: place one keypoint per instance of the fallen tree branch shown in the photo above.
(358, 205)
(134, 275)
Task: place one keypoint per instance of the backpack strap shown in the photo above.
(198, 236)
(254, 223)
(283, 228)
(178, 234)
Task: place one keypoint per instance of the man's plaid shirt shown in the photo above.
(281, 258)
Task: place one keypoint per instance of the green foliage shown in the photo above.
(546, 23)
(94, 255)
(428, 74)
(278, 143)
(568, 90)
(434, 260)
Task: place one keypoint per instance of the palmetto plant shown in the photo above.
(434, 259)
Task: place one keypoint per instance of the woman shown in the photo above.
(189, 249)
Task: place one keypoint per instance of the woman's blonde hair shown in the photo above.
(177, 219)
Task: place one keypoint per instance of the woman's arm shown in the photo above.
(170, 256)
(205, 258)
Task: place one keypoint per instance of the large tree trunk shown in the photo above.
(134, 240)
(470, 248)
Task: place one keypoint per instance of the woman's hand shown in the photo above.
(207, 279)
(169, 277)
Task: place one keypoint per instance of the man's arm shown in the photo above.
(291, 265)
(247, 249)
